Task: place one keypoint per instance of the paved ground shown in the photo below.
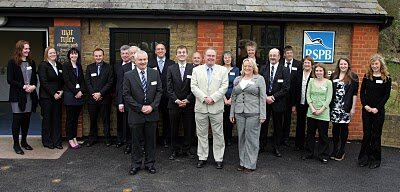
(106, 169)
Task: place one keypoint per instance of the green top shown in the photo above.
(319, 96)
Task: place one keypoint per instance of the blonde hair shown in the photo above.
(383, 69)
(46, 53)
(253, 64)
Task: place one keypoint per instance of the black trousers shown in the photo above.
(186, 117)
(71, 122)
(287, 120)
(51, 122)
(123, 130)
(228, 126)
(166, 128)
(322, 126)
(146, 130)
(372, 132)
(20, 122)
(277, 118)
(340, 132)
(104, 110)
(301, 125)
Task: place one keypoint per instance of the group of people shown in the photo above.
(197, 96)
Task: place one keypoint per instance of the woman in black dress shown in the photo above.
(21, 75)
(374, 93)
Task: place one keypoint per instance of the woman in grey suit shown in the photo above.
(248, 110)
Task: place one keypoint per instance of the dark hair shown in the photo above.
(348, 77)
(287, 48)
(322, 66)
(75, 51)
(98, 49)
(233, 63)
(17, 54)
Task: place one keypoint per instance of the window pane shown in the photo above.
(274, 36)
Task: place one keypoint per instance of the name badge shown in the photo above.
(93, 74)
(154, 83)
(379, 81)
(155, 68)
(323, 88)
(294, 68)
(77, 86)
(251, 83)
(29, 68)
(188, 76)
(60, 71)
(232, 73)
(280, 80)
(336, 80)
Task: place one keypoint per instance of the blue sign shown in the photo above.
(320, 45)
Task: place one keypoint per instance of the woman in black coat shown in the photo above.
(21, 75)
(50, 94)
(74, 89)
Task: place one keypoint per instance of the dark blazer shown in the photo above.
(350, 91)
(163, 74)
(280, 90)
(119, 71)
(16, 81)
(134, 95)
(70, 82)
(295, 88)
(50, 81)
(178, 89)
(99, 83)
(375, 94)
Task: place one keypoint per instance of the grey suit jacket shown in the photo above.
(251, 99)
(216, 89)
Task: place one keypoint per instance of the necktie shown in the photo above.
(161, 65)
(182, 69)
(76, 72)
(98, 69)
(271, 79)
(209, 72)
(144, 85)
(288, 66)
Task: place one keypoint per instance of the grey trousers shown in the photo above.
(202, 123)
(248, 126)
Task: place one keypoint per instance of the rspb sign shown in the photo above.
(320, 45)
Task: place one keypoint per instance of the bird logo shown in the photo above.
(314, 41)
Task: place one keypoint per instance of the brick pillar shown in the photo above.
(210, 34)
(364, 44)
(77, 23)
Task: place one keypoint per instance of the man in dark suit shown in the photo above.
(251, 50)
(181, 103)
(294, 67)
(121, 115)
(277, 79)
(142, 93)
(99, 80)
(161, 64)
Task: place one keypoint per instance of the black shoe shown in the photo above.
(324, 161)
(49, 146)
(172, 156)
(134, 170)
(165, 144)
(201, 163)
(119, 144)
(26, 146)
(219, 164)
(340, 156)
(277, 153)
(188, 154)
(305, 157)
(128, 149)
(241, 168)
(151, 170)
(59, 146)
(374, 165)
(89, 143)
(18, 150)
(108, 143)
(333, 154)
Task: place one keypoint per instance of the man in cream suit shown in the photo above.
(209, 84)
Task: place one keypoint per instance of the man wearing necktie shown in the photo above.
(142, 94)
(99, 81)
(161, 64)
(277, 79)
(181, 104)
(209, 85)
(122, 130)
(294, 66)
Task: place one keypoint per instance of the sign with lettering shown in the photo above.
(320, 45)
(66, 37)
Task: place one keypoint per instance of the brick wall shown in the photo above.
(210, 34)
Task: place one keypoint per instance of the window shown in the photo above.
(145, 39)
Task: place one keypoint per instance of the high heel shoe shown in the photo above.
(18, 150)
(26, 146)
(72, 144)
